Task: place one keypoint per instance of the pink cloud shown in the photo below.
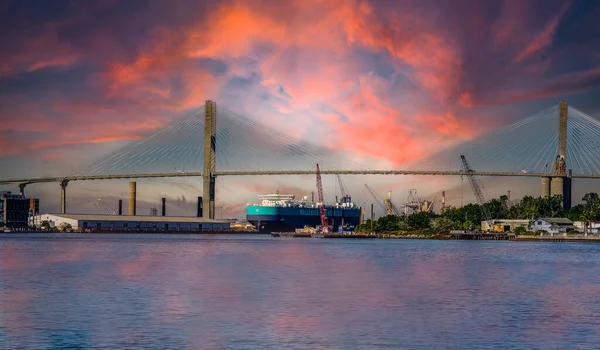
(544, 38)
(305, 57)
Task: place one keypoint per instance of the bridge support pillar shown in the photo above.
(562, 133)
(63, 196)
(22, 189)
(562, 185)
(556, 186)
(199, 209)
(208, 177)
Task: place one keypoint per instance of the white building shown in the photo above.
(553, 225)
(124, 223)
(593, 228)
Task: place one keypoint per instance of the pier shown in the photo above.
(482, 236)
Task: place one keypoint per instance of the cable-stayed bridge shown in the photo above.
(194, 146)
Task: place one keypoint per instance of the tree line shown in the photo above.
(469, 217)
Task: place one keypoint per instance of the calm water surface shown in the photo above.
(257, 292)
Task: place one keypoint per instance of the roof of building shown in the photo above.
(510, 221)
(557, 221)
(138, 218)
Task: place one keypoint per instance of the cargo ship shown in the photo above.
(283, 213)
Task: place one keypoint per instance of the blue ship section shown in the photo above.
(272, 219)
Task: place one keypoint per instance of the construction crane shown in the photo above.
(476, 189)
(430, 205)
(345, 196)
(383, 206)
(390, 206)
(324, 227)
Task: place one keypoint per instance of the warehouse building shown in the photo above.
(133, 223)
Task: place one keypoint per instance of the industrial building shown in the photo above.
(129, 223)
(503, 225)
(15, 209)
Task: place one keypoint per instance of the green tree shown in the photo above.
(590, 200)
(468, 225)
(387, 223)
(520, 230)
(576, 213)
(495, 208)
(443, 224)
(419, 220)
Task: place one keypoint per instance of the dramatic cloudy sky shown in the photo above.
(386, 81)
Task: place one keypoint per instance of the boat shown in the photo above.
(283, 213)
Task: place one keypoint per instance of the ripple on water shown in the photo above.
(256, 292)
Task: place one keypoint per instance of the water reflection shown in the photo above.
(207, 292)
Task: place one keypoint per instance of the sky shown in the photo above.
(386, 82)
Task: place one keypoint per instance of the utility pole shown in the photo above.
(372, 217)
(461, 191)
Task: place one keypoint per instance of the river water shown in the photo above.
(257, 292)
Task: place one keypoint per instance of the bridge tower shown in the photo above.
(560, 183)
(208, 177)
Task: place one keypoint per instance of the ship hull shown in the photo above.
(282, 219)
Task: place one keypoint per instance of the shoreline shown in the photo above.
(439, 237)
(138, 232)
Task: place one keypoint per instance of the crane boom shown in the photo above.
(377, 200)
(324, 227)
(476, 189)
(345, 195)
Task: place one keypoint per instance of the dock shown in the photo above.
(482, 236)
(320, 235)
(574, 238)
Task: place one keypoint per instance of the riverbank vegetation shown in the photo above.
(469, 217)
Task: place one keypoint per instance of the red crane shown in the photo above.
(324, 227)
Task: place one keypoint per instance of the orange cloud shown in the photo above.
(310, 61)
(303, 74)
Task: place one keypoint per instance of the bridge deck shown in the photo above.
(283, 172)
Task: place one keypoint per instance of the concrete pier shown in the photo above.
(546, 187)
(556, 186)
(132, 198)
(63, 196)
